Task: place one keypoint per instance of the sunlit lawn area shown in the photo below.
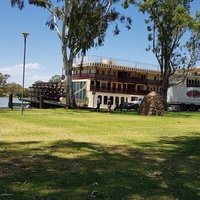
(84, 155)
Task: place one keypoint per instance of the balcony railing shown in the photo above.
(117, 90)
(111, 78)
(193, 85)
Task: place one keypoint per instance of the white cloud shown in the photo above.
(33, 66)
(39, 78)
(31, 69)
(18, 68)
(12, 70)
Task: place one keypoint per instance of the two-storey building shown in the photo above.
(106, 79)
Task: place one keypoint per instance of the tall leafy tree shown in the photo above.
(13, 88)
(80, 25)
(174, 36)
(3, 79)
(3, 82)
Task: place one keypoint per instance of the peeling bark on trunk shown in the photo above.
(69, 94)
(67, 63)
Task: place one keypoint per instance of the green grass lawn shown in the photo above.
(84, 155)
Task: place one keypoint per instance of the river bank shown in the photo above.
(4, 101)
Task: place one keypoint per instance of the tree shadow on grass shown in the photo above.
(85, 171)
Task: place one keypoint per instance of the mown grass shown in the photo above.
(83, 155)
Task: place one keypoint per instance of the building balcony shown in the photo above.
(111, 78)
(193, 85)
(93, 76)
(117, 90)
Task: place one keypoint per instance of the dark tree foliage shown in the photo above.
(18, 3)
(86, 21)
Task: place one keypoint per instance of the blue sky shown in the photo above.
(43, 55)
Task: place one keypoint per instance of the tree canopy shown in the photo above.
(80, 25)
(9, 88)
(13, 88)
(174, 35)
(56, 79)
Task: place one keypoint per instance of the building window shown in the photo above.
(119, 87)
(143, 76)
(114, 86)
(79, 86)
(111, 98)
(97, 71)
(100, 97)
(98, 84)
(90, 71)
(133, 98)
(116, 100)
(103, 85)
(192, 82)
(105, 100)
(91, 83)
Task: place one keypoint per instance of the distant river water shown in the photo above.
(4, 101)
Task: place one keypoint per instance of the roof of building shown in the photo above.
(115, 66)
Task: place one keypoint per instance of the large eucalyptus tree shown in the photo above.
(80, 25)
(174, 35)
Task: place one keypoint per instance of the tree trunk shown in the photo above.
(67, 63)
(165, 86)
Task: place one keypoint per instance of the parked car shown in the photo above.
(124, 106)
(136, 103)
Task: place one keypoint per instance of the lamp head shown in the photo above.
(25, 35)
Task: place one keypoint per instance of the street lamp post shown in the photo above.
(24, 61)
